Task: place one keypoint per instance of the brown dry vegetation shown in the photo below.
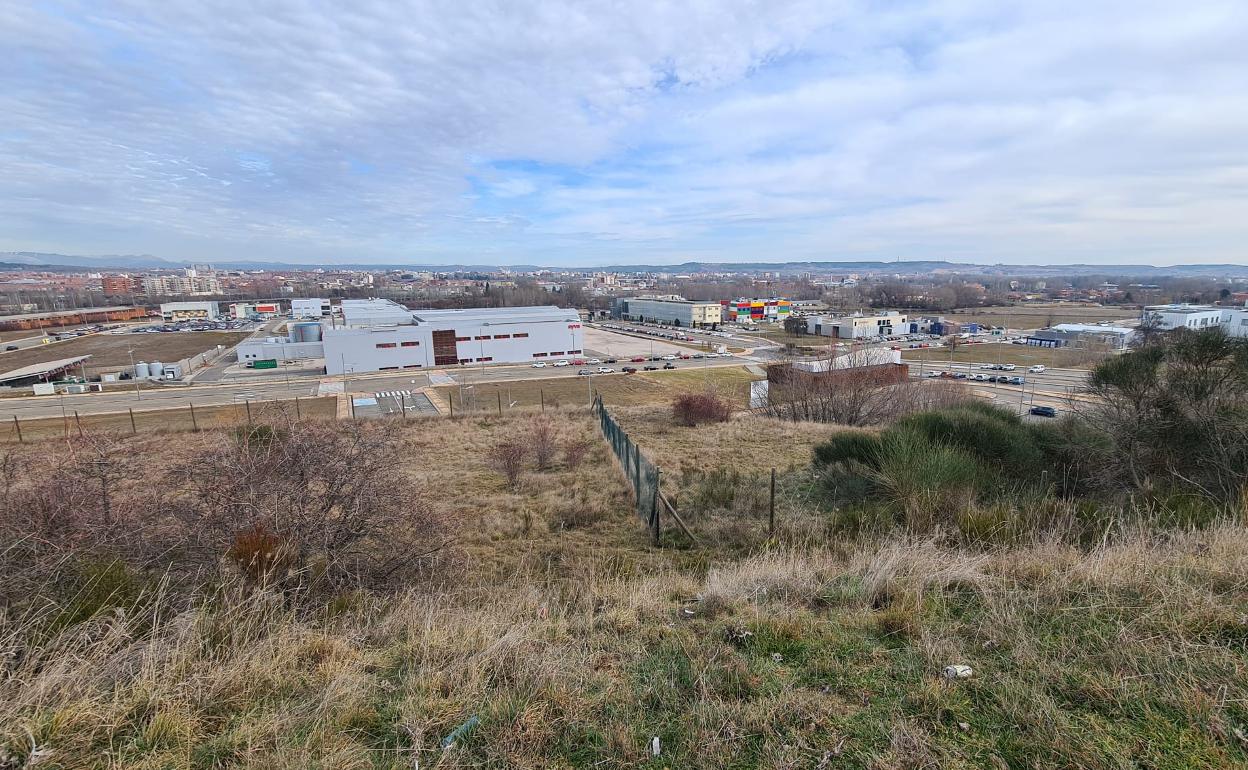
(108, 351)
(616, 389)
(550, 619)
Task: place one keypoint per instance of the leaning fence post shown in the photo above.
(18, 427)
(247, 403)
(771, 507)
(297, 415)
(78, 423)
(133, 429)
(194, 422)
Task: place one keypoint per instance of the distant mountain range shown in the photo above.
(25, 260)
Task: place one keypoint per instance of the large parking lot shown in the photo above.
(607, 344)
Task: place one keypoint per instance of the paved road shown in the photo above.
(174, 396)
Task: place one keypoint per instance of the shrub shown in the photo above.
(541, 437)
(857, 446)
(691, 409)
(508, 456)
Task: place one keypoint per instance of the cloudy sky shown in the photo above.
(584, 133)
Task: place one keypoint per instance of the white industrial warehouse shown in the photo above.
(379, 335)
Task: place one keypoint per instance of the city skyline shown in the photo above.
(573, 135)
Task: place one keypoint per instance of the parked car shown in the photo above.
(584, 373)
(669, 357)
(637, 359)
(652, 368)
(562, 363)
(578, 362)
(669, 365)
(10, 347)
(630, 370)
(1043, 411)
(611, 360)
(539, 365)
(594, 361)
(605, 370)
(1037, 369)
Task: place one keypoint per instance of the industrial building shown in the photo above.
(380, 335)
(1074, 335)
(669, 309)
(1232, 320)
(86, 315)
(859, 326)
(311, 307)
(744, 311)
(186, 311)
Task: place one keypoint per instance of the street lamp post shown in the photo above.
(134, 372)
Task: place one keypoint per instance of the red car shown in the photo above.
(638, 359)
(578, 362)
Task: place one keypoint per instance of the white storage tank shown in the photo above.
(156, 370)
(142, 371)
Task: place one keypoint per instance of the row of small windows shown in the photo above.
(408, 344)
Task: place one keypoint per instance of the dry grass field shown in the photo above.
(616, 389)
(165, 420)
(1035, 316)
(1005, 353)
(109, 351)
(563, 640)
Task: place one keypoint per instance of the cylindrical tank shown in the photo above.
(141, 371)
(307, 332)
(155, 370)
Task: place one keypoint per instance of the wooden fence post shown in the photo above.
(194, 422)
(771, 507)
(247, 403)
(403, 406)
(654, 506)
(500, 402)
(542, 394)
(133, 427)
(18, 426)
(78, 423)
(297, 414)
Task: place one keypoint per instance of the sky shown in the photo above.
(590, 133)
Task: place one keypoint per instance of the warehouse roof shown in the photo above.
(43, 370)
(59, 313)
(384, 312)
(1092, 328)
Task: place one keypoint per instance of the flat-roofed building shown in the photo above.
(669, 309)
(186, 311)
(859, 325)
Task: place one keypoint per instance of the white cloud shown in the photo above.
(644, 131)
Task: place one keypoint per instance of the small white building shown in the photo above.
(189, 311)
(310, 307)
(1195, 317)
(859, 325)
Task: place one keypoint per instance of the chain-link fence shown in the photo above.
(643, 475)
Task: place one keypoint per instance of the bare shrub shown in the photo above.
(319, 501)
(692, 409)
(541, 437)
(575, 450)
(507, 456)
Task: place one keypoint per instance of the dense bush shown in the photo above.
(1166, 441)
(690, 409)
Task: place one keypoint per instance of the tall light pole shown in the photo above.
(135, 373)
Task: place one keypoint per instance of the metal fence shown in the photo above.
(643, 475)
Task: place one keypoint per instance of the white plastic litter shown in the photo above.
(959, 671)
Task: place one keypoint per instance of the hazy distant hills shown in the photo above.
(19, 260)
